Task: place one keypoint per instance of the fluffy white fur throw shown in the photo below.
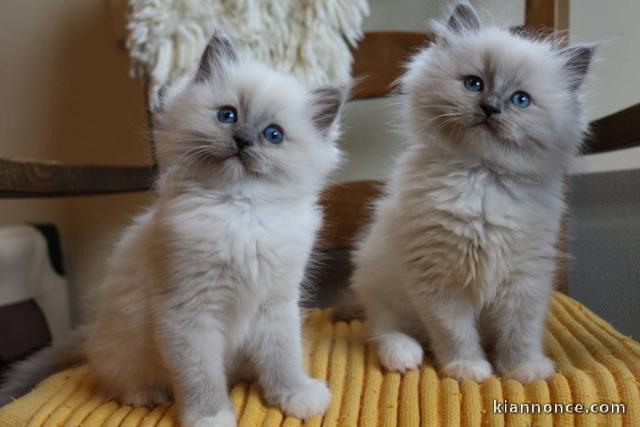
(310, 38)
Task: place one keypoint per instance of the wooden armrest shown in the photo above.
(615, 131)
(28, 178)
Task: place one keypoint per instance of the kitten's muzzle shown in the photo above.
(489, 109)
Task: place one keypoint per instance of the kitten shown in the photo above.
(462, 247)
(203, 288)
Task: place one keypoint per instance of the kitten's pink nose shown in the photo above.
(489, 109)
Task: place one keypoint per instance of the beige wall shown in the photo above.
(67, 95)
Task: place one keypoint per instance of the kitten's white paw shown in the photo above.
(399, 352)
(528, 371)
(312, 398)
(475, 370)
(224, 418)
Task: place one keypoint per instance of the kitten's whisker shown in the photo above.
(425, 125)
(197, 158)
(177, 168)
(446, 123)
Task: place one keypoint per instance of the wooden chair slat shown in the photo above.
(30, 178)
(615, 131)
(547, 14)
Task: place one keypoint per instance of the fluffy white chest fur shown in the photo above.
(463, 226)
(253, 254)
(477, 226)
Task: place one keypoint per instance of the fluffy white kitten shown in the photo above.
(462, 250)
(203, 288)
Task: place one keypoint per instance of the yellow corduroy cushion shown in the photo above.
(596, 365)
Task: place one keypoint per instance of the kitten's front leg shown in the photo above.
(192, 347)
(278, 353)
(450, 320)
(518, 319)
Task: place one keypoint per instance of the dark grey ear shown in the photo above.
(463, 18)
(577, 62)
(327, 103)
(218, 52)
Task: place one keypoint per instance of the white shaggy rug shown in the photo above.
(309, 38)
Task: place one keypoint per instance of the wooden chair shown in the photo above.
(378, 58)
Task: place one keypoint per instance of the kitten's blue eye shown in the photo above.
(273, 133)
(521, 99)
(227, 115)
(473, 83)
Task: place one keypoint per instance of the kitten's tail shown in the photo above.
(24, 375)
(348, 307)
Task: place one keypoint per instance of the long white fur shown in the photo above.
(462, 248)
(203, 288)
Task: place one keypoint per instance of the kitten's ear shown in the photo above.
(219, 51)
(577, 61)
(327, 103)
(463, 18)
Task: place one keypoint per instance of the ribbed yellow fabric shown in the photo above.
(596, 365)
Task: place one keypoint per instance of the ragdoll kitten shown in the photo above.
(204, 287)
(462, 247)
